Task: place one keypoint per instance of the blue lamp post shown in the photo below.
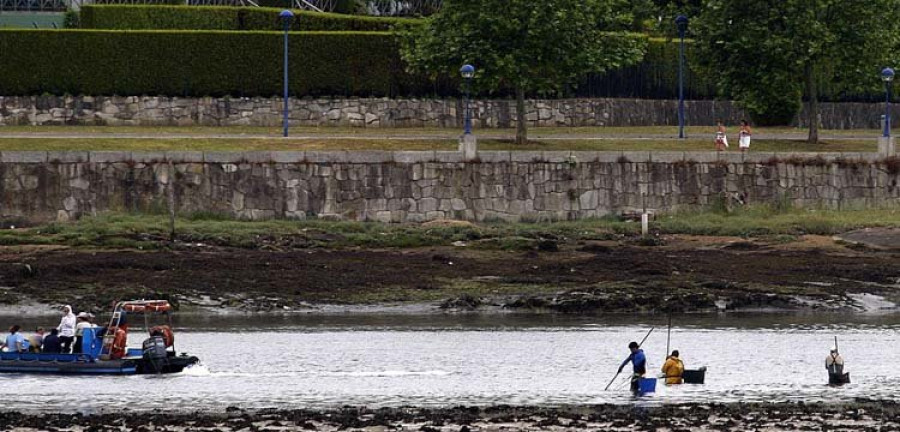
(286, 17)
(887, 75)
(467, 72)
(682, 23)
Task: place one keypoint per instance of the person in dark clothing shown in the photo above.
(639, 362)
(51, 342)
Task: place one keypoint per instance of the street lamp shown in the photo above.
(682, 23)
(467, 72)
(286, 17)
(887, 75)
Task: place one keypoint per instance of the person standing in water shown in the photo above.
(639, 363)
(673, 369)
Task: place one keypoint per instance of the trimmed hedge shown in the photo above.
(248, 63)
(154, 17)
(195, 63)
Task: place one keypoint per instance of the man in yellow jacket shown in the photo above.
(673, 368)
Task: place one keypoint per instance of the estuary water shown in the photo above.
(321, 361)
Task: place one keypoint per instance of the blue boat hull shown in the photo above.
(81, 364)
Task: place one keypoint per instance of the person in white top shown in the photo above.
(67, 329)
(82, 322)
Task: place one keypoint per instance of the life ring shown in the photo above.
(119, 344)
(166, 333)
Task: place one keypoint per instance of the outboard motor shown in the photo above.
(155, 355)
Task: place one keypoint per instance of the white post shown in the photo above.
(645, 224)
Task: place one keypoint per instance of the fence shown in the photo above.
(32, 5)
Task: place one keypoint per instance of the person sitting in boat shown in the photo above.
(673, 369)
(639, 362)
(36, 341)
(67, 329)
(834, 363)
(51, 343)
(15, 342)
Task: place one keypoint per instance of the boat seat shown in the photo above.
(28, 357)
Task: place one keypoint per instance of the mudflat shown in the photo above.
(681, 273)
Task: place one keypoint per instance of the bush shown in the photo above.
(195, 63)
(144, 17)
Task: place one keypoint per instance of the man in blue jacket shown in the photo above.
(639, 361)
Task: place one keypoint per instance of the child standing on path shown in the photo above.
(721, 139)
(745, 136)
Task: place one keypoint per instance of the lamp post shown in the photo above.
(467, 72)
(286, 17)
(887, 75)
(682, 23)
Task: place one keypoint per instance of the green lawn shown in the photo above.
(151, 231)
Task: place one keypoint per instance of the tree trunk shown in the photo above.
(521, 132)
(813, 111)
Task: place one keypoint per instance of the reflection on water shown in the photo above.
(376, 360)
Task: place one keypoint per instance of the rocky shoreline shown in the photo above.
(866, 416)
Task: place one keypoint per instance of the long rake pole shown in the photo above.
(639, 345)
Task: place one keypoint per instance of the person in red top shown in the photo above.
(745, 136)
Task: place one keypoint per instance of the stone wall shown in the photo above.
(420, 186)
(173, 111)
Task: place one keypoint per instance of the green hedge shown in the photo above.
(144, 17)
(195, 63)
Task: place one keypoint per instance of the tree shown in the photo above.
(767, 54)
(521, 45)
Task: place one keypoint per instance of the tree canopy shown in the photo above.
(529, 47)
(766, 54)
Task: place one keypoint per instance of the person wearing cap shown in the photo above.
(673, 368)
(834, 363)
(83, 321)
(66, 329)
(638, 361)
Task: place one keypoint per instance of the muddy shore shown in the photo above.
(684, 274)
(862, 416)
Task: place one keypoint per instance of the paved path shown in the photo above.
(535, 135)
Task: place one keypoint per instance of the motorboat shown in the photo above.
(105, 350)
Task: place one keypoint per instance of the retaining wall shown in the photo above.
(173, 111)
(420, 186)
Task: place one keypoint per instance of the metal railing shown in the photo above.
(33, 5)
(370, 7)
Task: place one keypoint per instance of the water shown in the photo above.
(327, 361)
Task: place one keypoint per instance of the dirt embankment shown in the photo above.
(688, 274)
(867, 416)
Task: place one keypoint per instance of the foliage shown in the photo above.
(152, 17)
(766, 53)
(71, 20)
(517, 44)
(198, 63)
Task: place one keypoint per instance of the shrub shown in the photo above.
(195, 63)
(155, 17)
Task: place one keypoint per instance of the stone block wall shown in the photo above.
(421, 186)
(354, 112)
